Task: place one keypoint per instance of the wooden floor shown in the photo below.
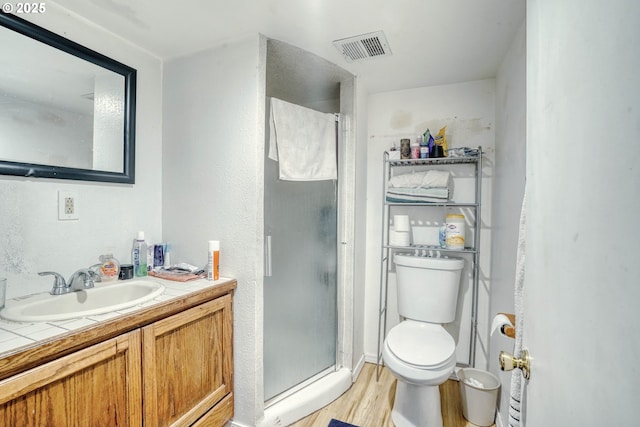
(368, 403)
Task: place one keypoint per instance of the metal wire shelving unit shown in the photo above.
(387, 250)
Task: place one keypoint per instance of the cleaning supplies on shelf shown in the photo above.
(454, 231)
(139, 255)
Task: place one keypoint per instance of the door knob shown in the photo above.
(508, 362)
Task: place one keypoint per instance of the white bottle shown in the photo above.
(139, 256)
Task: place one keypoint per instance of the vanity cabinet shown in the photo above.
(186, 369)
(97, 386)
(176, 370)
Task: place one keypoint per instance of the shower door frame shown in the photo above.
(345, 206)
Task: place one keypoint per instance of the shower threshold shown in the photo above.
(307, 397)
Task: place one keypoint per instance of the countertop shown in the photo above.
(24, 345)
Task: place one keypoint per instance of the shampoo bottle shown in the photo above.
(213, 262)
(139, 256)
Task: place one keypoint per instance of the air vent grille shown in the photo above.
(365, 46)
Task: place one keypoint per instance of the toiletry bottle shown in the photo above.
(139, 256)
(213, 263)
(109, 267)
(424, 147)
(415, 150)
(405, 148)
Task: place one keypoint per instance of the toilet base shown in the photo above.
(416, 406)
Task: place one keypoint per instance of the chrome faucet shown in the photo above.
(81, 279)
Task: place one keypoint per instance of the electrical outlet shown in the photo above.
(67, 205)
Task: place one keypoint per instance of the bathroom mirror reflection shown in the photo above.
(65, 111)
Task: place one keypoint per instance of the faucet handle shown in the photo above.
(94, 276)
(59, 284)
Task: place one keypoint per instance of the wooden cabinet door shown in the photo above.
(187, 364)
(97, 386)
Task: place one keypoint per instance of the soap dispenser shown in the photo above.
(109, 267)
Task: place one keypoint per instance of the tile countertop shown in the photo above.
(14, 335)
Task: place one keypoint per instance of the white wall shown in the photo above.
(468, 111)
(212, 176)
(33, 239)
(508, 189)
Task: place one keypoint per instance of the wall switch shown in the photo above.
(67, 205)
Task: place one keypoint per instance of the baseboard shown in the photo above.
(371, 358)
(357, 369)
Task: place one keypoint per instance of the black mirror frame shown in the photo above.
(45, 171)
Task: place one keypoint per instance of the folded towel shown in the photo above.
(437, 193)
(303, 142)
(428, 179)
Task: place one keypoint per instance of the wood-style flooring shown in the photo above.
(368, 403)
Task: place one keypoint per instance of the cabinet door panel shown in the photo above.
(187, 363)
(97, 386)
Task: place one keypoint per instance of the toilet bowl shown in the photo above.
(421, 356)
(419, 352)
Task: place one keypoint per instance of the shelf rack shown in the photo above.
(387, 250)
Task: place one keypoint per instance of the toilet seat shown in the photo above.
(416, 360)
(421, 345)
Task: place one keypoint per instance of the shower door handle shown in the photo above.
(267, 256)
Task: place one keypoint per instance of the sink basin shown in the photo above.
(103, 298)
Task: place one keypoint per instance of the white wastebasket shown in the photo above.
(479, 395)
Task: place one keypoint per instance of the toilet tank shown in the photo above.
(428, 287)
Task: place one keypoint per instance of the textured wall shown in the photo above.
(212, 173)
(31, 237)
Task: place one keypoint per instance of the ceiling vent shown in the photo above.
(365, 46)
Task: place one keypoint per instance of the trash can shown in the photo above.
(479, 395)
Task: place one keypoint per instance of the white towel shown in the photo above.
(428, 179)
(303, 142)
(515, 414)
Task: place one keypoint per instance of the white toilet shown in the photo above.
(419, 351)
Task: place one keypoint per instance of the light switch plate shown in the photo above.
(68, 206)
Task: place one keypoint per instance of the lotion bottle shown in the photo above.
(139, 256)
(213, 261)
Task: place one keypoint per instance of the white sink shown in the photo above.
(103, 298)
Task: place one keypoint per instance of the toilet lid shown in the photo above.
(421, 344)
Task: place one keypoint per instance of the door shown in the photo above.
(300, 285)
(97, 386)
(582, 286)
(188, 365)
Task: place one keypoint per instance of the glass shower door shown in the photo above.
(300, 286)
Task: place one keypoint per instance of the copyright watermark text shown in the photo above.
(20, 8)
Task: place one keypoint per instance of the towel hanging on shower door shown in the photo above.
(303, 142)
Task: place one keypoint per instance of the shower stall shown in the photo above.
(306, 334)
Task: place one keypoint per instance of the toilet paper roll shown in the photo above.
(498, 322)
(401, 222)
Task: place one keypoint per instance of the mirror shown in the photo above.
(65, 111)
